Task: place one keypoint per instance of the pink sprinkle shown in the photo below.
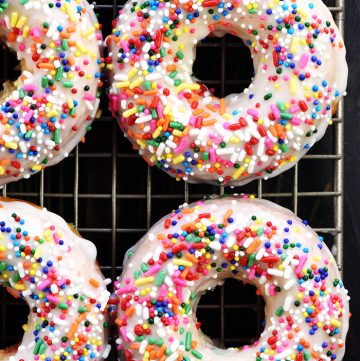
(152, 270)
(303, 61)
(123, 334)
(275, 110)
(253, 112)
(299, 267)
(163, 290)
(53, 298)
(295, 121)
(44, 284)
(182, 146)
(29, 87)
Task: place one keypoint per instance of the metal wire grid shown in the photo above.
(116, 208)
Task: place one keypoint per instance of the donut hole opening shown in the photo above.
(232, 315)
(10, 70)
(224, 65)
(14, 314)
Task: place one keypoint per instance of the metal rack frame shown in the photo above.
(151, 194)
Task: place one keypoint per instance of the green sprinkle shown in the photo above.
(173, 74)
(159, 280)
(144, 267)
(63, 306)
(82, 309)
(42, 348)
(279, 311)
(281, 106)
(64, 44)
(2, 266)
(251, 260)
(154, 113)
(137, 274)
(59, 74)
(176, 125)
(197, 354)
(267, 96)
(177, 82)
(21, 93)
(44, 82)
(56, 138)
(147, 85)
(188, 339)
(180, 55)
(16, 277)
(68, 84)
(286, 116)
(206, 156)
(37, 346)
(162, 52)
(284, 148)
(306, 356)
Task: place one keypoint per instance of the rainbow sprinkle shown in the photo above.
(49, 108)
(180, 127)
(196, 247)
(44, 263)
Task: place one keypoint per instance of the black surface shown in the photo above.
(352, 178)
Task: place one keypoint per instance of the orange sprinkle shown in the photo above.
(94, 283)
(253, 246)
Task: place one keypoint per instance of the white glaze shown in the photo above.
(232, 154)
(78, 264)
(28, 20)
(283, 273)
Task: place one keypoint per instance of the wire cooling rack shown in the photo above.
(112, 196)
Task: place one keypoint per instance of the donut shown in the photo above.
(47, 111)
(179, 126)
(198, 246)
(44, 262)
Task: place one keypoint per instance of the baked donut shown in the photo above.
(48, 110)
(179, 126)
(46, 263)
(198, 246)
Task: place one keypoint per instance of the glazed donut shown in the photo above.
(195, 248)
(175, 122)
(46, 263)
(48, 110)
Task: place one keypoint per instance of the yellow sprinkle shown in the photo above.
(132, 72)
(157, 132)
(26, 31)
(86, 34)
(70, 12)
(129, 112)
(36, 167)
(11, 145)
(238, 172)
(234, 140)
(295, 44)
(2, 170)
(167, 109)
(293, 86)
(335, 323)
(144, 281)
(136, 83)
(21, 22)
(122, 84)
(178, 159)
(13, 19)
(70, 103)
(182, 262)
(177, 133)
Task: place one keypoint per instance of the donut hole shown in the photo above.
(14, 314)
(11, 68)
(224, 65)
(232, 315)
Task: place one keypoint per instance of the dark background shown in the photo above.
(113, 197)
(352, 176)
